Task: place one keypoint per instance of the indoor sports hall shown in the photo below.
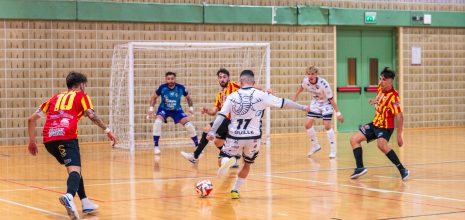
(125, 47)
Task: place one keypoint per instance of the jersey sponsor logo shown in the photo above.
(64, 122)
(244, 132)
(54, 132)
(61, 114)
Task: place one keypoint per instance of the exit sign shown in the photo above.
(370, 17)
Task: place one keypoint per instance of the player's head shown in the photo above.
(386, 77)
(170, 78)
(247, 78)
(223, 77)
(76, 80)
(312, 73)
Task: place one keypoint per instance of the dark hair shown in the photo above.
(247, 73)
(388, 73)
(170, 73)
(74, 79)
(222, 70)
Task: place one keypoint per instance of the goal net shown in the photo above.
(138, 69)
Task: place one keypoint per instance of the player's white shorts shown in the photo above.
(235, 148)
(320, 110)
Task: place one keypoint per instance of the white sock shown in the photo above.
(239, 182)
(312, 135)
(224, 160)
(331, 138)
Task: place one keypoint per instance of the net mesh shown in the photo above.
(196, 67)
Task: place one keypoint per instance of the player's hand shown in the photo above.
(210, 136)
(32, 148)
(294, 98)
(112, 138)
(204, 110)
(372, 101)
(269, 91)
(400, 140)
(340, 118)
(307, 108)
(191, 110)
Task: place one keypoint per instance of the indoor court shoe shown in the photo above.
(189, 156)
(313, 151)
(156, 150)
(404, 173)
(332, 153)
(236, 165)
(67, 201)
(358, 172)
(225, 167)
(88, 206)
(235, 194)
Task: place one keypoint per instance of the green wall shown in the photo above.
(216, 14)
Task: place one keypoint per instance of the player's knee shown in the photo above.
(157, 127)
(218, 142)
(190, 129)
(354, 140)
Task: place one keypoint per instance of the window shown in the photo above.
(351, 71)
(373, 71)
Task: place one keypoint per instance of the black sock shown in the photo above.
(394, 159)
(203, 142)
(358, 154)
(81, 191)
(73, 183)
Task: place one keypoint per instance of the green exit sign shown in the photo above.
(370, 17)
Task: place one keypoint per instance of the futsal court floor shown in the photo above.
(283, 183)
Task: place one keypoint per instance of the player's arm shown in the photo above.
(31, 125)
(210, 111)
(190, 103)
(338, 113)
(273, 101)
(225, 110)
(297, 93)
(153, 100)
(400, 128)
(294, 105)
(90, 113)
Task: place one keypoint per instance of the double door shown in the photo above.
(361, 56)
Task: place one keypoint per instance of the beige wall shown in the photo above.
(36, 56)
(434, 91)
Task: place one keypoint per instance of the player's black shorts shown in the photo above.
(65, 151)
(223, 129)
(372, 132)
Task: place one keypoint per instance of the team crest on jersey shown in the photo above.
(244, 104)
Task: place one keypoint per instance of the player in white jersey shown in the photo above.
(246, 107)
(322, 106)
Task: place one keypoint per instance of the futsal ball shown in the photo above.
(204, 188)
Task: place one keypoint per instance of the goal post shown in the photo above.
(138, 68)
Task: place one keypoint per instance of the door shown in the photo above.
(361, 56)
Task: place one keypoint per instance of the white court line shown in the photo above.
(434, 180)
(371, 167)
(371, 189)
(107, 184)
(33, 208)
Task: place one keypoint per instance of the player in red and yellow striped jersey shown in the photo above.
(63, 112)
(387, 107)
(228, 87)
